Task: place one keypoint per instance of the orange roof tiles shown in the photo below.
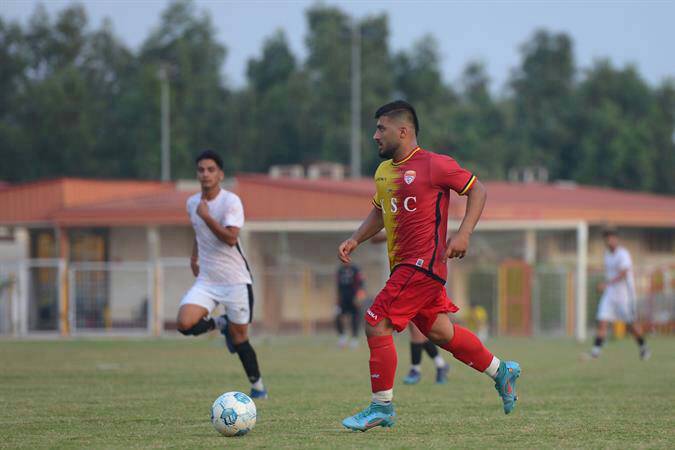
(39, 201)
(76, 202)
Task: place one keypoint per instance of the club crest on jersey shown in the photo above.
(409, 176)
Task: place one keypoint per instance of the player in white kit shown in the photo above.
(618, 297)
(223, 275)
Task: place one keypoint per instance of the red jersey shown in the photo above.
(413, 195)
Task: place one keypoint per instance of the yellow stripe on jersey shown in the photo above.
(468, 185)
(415, 150)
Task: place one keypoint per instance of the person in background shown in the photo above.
(618, 295)
(350, 294)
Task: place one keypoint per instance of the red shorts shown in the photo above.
(410, 294)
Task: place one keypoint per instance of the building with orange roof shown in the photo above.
(87, 255)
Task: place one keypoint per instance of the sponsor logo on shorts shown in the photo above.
(371, 314)
(375, 375)
(419, 263)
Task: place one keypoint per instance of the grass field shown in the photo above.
(157, 393)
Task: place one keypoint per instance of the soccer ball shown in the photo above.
(233, 414)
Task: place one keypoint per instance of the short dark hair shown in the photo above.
(399, 108)
(210, 154)
(610, 230)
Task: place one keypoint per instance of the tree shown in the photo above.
(543, 105)
(273, 106)
(418, 79)
(479, 125)
(328, 69)
(617, 139)
(185, 42)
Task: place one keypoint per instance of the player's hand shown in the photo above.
(360, 296)
(457, 246)
(194, 265)
(203, 208)
(345, 249)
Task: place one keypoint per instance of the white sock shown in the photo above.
(417, 368)
(383, 397)
(258, 385)
(440, 362)
(492, 369)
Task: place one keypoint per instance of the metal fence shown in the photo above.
(143, 297)
(110, 296)
(8, 299)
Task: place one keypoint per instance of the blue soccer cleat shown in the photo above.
(413, 377)
(222, 324)
(505, 383)
(442, 374)
(261, 394)
(373, 416)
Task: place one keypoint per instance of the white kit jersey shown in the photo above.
(219, 263)
(615, 262)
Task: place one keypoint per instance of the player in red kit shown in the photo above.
(411, 204)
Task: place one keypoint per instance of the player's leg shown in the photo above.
(354, 313)
(382, 364)
(238, 302)
(391, 310)
(339, 325)
(383, 360)
(600, 335)
(635, 329)
(442, 367)
(193, 312)
(466, 347)
(626, 310)
(417, 340)
(606, 315)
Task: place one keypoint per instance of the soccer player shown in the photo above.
(223, 275)
(618, 295)
(411, 204)
(419, 342)
(350, 292)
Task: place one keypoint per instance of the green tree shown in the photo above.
(543, 105)
(617, 139)
(418, 79)
(662, 123)
(13, 142)
(479, 125)
(185, 42)
(273, 107)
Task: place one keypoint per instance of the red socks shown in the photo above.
(383, 362)
(466, 347)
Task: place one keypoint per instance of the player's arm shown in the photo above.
(194, 259)
(459, 243)
(368, 228)
(228, 235)
(620, 276)
(623, 273)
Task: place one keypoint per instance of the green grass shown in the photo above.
(157, 393)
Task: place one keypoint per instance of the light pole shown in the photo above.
(163, 75)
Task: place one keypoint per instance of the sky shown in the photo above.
(626, 32)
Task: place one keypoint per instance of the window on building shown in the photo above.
(660, 240)
(567, 241)
(43, 244)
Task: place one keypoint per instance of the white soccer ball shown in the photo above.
(233, 414)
